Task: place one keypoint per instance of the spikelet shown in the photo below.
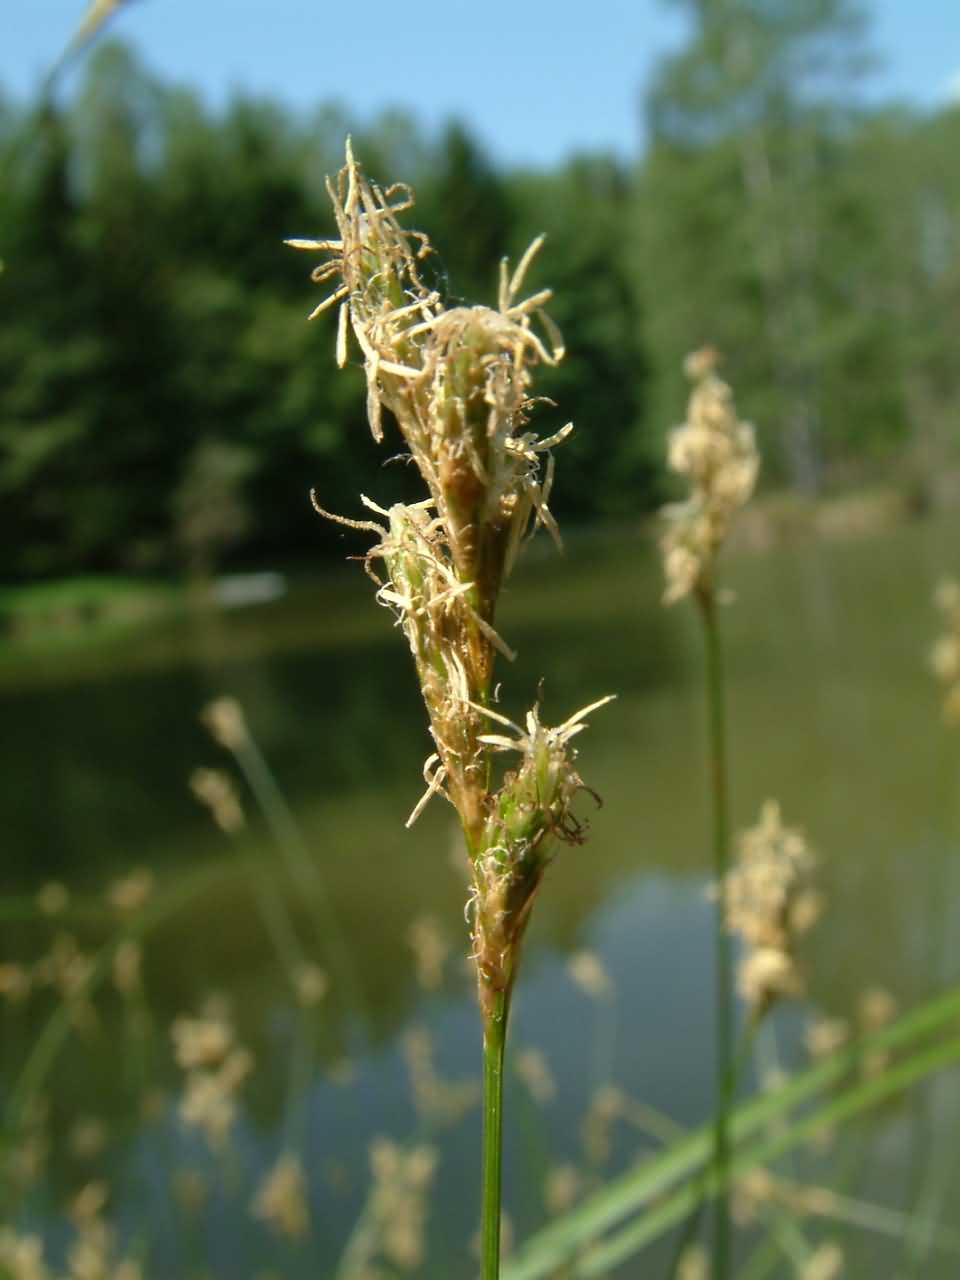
(769, 900)
(718, 454)
(458, 382)
(945, 655)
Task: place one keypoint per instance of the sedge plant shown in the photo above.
(717, 454)
(457, 380)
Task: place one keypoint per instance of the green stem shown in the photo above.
(494, 1044)
(738, 1065)
(723, 1067)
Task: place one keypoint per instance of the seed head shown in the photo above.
(534, 803)
(945, 655)
(281, 1199)
(718, 454)
(562, 1185)
(53, 898)
(226, 722)
(215, 790)
(769, 900)
(826, 1263)
(310, 985)
(131, 892)
(216, 1066)
(533, 1069)
(589, 973)
(458, 381)
(399, 1202)
(531, 811)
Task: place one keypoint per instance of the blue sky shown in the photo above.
(535, 79)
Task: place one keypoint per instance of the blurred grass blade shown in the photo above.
(922, 1230)
(556, 1244)
(851, 1102)
(98, 14)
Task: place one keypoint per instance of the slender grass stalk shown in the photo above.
(457, 381)
(215, 791)
(718, 455)
(494, 1048)
(724, 1074)
(741, 1060)
(225, 719)
(934, 1151)
(921, 1228)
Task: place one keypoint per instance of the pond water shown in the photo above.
(832, 711)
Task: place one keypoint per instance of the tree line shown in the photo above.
(163, 401)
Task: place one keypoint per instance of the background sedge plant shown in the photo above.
(457, 380)
(718, 454)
